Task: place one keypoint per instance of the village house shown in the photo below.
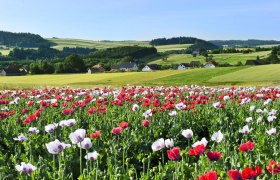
(209, 65)
(95, 69)
(127, 66)
(184, 66)
(195, 53)
(12, 71)
(151, 67)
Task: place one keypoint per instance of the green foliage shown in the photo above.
(245, 43)
(198, 44)
(47, 53)
(42, 67)
(22, 40)
(74, 64)
(273, 57)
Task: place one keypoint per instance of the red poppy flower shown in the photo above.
(249, 173)
(24, 111)
(117, 130)
(174, 154)
(146, 123)
(273, 168)
(102, 110)
(197, 151)
(211, 175)
(234, 174)
(95, 135)
(246, 147)
(214, 156)
(123, 125)
(91, 110)
(68, 111)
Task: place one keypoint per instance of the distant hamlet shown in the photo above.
(26, 53)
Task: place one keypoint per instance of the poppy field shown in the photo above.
(135, 132)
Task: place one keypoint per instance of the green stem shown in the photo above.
(96, 177)
(162, 154)
(87, 163)
(81, 168)
(53, 162)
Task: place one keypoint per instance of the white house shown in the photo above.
(146, 68)
(209, 65)
(127, 66)
(184, 66)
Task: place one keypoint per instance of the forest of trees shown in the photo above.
(198, 44)
(113, 56)
(46, 53)
(26, 40)
(45, 60)
(244, 43)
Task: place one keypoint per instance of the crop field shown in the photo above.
(5, 51)
(110, 44)
(178, 59)
(267, 75)
(93, 44)
(231, 58)
(176, 132)
(164, 48)
(234, 58)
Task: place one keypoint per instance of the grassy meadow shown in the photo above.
(259, 75)
(231, 58)
(93, 44)
(172, 47)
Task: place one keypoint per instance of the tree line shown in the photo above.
(44, 52)
(45, 60)
(26, 40)
(244, 43)
(197, 44)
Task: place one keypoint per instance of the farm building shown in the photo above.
(127, 66)
(195, 64)
(151, 67)
(254, 62)
(209, 65)
(12, 71)
(95, 69)
(184, 66)
(195, 53)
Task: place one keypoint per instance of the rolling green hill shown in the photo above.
(231, 58)
(60, 43)
(259, 75)
(268, 73)
(164, 48)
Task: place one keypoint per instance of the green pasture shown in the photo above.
(172, 47)
(267, 75)
(93, 44)
(5, 51)
(177, 59)
(231, 58)
(234, 58)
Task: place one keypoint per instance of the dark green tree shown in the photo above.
(74, 64)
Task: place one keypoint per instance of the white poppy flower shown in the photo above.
(92, 156)
(188, 133)
(27, 168)
(55, 147)
(77, 136)
(217, 136)
(158, 144)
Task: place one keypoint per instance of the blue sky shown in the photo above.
(143, 19)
